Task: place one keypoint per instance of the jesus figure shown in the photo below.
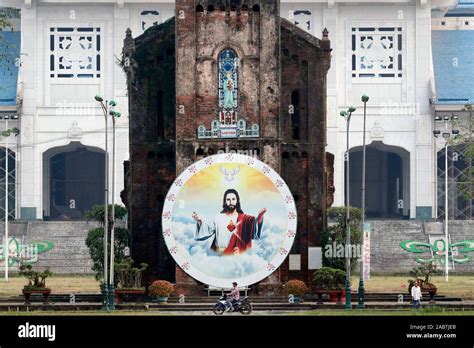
(233, 231)
(228, 91)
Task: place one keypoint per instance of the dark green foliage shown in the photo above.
(95, 243)
(97, 213)
(36, 280)
(328, 278)
(95, 238)
(7, 14)
(423, 275)
(337, 233)
(463, 143)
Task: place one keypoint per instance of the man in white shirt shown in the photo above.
(416, 295)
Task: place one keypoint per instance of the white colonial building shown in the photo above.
(70, 51)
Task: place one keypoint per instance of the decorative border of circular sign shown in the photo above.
(167, 218)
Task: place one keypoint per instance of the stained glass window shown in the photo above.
(228, 125)
(228, 87)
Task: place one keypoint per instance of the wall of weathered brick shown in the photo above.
(305, 60)
(150, 72)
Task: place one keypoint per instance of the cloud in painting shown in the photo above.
(200, 255)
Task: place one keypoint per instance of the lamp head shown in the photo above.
(352, 109)
(436, 133)
(343, 113)
(115, 113)
(112, 102)
(365, 98)
(99, 98)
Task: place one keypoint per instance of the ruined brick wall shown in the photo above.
(305, 61)
(149, 62)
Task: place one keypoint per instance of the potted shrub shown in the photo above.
(297, 288)
(36, 283)
(161, 290)
(329, 281)
(129, 279)
(423, 275)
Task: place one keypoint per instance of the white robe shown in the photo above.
(217, 228)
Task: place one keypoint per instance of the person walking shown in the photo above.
(416, 295)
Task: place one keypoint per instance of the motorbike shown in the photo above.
(243, 306)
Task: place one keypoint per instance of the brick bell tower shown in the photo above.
(212, 33)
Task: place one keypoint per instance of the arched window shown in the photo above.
(199, 152)
(295, 116)
(228, 86)
(160, 118)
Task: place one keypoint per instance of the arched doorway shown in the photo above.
(73, 181)
(387, 180)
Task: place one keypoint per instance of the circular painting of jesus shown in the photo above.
(227, 218)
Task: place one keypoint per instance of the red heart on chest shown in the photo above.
(231, 227)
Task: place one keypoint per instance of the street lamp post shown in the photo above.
(347, 116)
(105, 285)
(6, 202)
(114, 115)
(446, 136)
(361, 297)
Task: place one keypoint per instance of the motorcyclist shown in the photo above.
(233, 297)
